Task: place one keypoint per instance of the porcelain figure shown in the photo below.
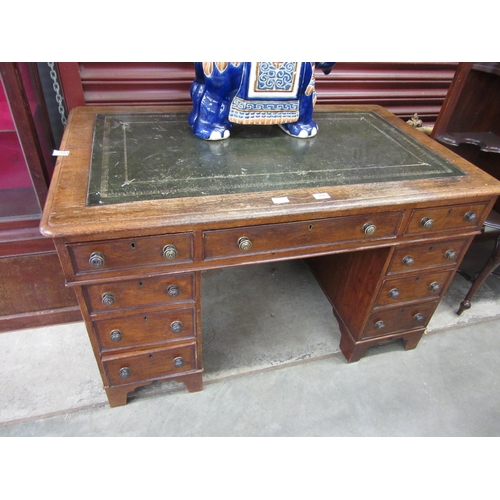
(260, 93)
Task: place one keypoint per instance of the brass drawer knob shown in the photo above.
(379, 325)
(173, 291)
(115, 335)
(96, 259)
(394, 293)
(470, 217)
(170, 252)
(176, 326)
(108, 299)
(418, 317)
(408, 261)
(125, 372)
(426, 223)
(244, 243)
(434, 286)
(451, 255)
(369, 228)
(178, 362)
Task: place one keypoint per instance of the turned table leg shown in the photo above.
(491, 265)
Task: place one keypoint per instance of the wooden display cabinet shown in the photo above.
(32, 287)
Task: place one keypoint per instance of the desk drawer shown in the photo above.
(399, 319)
(150, 365)
(293, 235)
(140, 292)
(426, 286)
(109, 255)
(425, 255)
(145, 329)
(446, 218)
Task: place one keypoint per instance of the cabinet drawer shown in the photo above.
(140, 292)
(412, 288)
(145, 329)
(293, 235)
(109, 255)
(150, 365)
(426, 255)
(446, 218)
(399, 319)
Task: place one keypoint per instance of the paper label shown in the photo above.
(321, 196)
(283, 199)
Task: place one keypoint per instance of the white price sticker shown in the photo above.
(282, 199)
(321, 196)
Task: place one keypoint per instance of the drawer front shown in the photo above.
(427, 286)
(150, 365)
(145, 329)
(140, 292)
(399, 319)
(293, 235)
(426, 255)
(446, 218)
(102, 256)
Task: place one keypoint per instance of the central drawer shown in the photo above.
(152, 364)
(140, 292)
(294, 235)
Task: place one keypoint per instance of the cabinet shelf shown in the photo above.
(485, 141)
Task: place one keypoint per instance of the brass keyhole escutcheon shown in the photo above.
(244, 243)
(170, 252)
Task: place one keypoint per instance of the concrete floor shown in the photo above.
(272, 368)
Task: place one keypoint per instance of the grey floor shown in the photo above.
(272, 368)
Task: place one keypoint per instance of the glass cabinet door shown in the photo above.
(18, 199)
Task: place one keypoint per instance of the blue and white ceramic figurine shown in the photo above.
(260, 93)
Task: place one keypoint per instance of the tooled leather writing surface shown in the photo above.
(156, 156)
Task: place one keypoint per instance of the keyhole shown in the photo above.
(310, 227)
(140, 284)
(132, 246)
(145, 318)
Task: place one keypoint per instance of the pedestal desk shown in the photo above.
(139, 208)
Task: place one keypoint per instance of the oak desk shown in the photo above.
(140, 207)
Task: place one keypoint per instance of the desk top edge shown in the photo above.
(66, 213)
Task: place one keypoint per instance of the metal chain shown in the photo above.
(59, 97)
